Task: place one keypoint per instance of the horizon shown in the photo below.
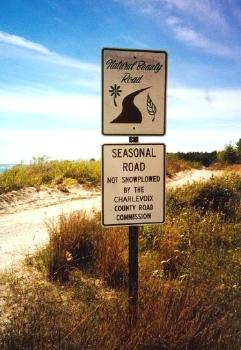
(50, 73)
(46, 158)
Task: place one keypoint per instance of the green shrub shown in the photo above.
(219, 194)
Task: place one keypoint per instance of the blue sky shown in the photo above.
(50, 80)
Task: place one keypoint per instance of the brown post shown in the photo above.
(133, 275)
(133, 266)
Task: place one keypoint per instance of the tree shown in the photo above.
(230, 154)
(238, 150)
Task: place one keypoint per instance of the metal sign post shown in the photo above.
(133, 275)
(133, 267)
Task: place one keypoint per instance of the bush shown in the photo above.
(221, 195)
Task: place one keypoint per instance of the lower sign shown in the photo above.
(133, 184)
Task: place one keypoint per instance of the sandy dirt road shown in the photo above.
(23, 232)
(189, 176)
(23, 214)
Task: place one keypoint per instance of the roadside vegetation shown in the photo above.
(45, 172)
(73, 294)
(175, 165)
(42, 171)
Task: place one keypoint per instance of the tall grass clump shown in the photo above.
(78, 240)
(174, 165)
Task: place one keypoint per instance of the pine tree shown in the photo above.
(230, 154)
(238, 150)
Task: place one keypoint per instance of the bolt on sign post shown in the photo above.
(133, 175)
(133, 92)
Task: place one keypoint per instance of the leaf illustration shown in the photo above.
(151, 108)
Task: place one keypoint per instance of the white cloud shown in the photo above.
(18, 145)
(186, 104)
(204, 11)
(22, 42)
(53, 103)
(199, 140)
(191, 37)
(197, 119)
(214, 106)
(73, 63)
(201, 24)
(42, 51)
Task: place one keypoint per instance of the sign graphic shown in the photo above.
(133, 92)
(133, 184)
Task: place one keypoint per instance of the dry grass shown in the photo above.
(174, 165)
(85, 315)
(197, 308)
(227, 167)
(78, 240)
(50, 173)
(64, 173)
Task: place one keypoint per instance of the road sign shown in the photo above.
(133, 184)
(133, 92)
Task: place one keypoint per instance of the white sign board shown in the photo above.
(133, 184)
(133, 92)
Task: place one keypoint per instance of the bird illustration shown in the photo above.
(130, 113)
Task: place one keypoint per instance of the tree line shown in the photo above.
(229, 155)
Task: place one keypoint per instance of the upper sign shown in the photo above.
(133, 184)
(133, 92)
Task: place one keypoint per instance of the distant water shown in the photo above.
(4, 167)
